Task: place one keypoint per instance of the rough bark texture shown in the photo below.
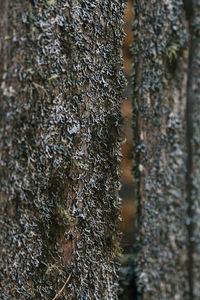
(61, 83)
(159, 102)
(166, 148)
(193, 141)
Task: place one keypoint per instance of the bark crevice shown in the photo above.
(188, 5)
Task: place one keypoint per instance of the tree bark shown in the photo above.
(193, 142)
(61, 81)
(166, 148)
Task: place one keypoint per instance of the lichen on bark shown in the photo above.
(61, 82)
(166, 148)
(160, 55)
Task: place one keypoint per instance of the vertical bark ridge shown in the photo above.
(189, 137)
(193, 167)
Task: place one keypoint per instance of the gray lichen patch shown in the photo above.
(60, 148)
(160, 56)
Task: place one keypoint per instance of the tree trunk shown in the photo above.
(61, 81)
(193, 141)
(166, 148)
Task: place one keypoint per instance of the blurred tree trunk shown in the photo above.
(61, 82)
(166, 97)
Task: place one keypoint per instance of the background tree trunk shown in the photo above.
(61, 82)
(166, 148)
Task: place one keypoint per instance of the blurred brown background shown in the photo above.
(127, 225)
